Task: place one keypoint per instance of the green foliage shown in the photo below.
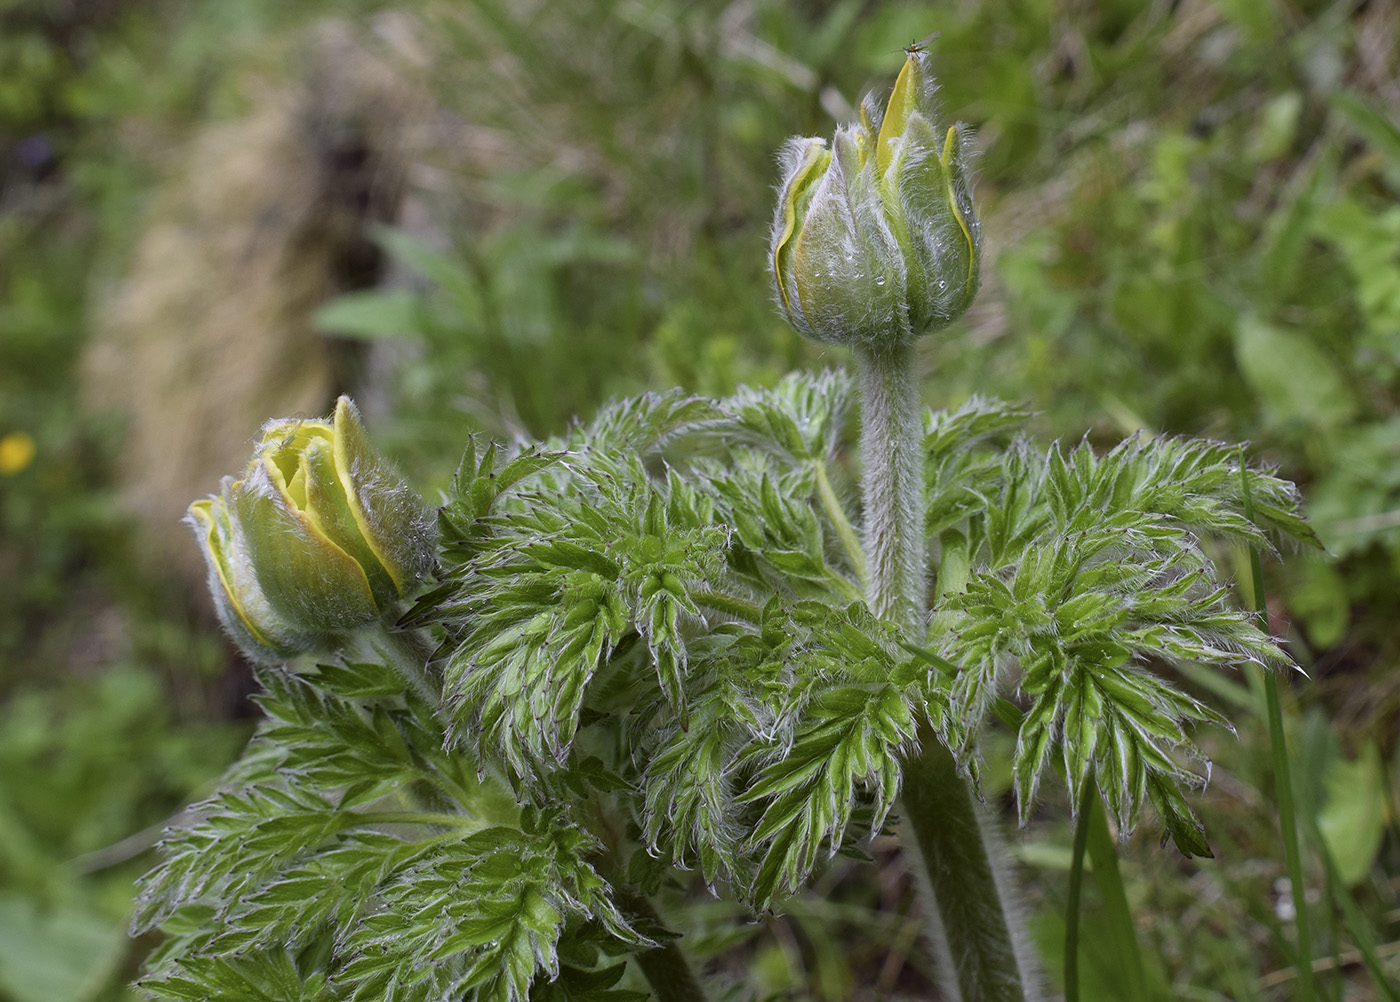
(650, 661)
(1082, 571)
(347, 842)
(1217, 254)
(86, 770)
(1196, 205)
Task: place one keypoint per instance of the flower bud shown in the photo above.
(875, 241)
(320, 536)
(252, 622)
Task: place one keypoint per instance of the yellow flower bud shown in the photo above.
(875, 241)
(319, 536)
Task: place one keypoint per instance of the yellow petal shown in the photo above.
(211, 515)
(796, 194)
(901, 103)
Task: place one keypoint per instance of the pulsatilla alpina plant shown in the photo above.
(666, 643)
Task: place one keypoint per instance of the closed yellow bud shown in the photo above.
(875, 241)
(318, 537)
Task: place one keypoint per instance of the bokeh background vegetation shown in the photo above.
(493, 215)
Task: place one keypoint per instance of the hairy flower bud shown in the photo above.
(875, 241)
(320, 536)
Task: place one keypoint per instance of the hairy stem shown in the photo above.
(892, 487)
(665, 966)
(971, 925)
(960, 853)
(434, 818)
(407, 652)
(730, 605)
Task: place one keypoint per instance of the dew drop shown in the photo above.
(880, 280)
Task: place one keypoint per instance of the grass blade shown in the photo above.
(1362, 932)
(1104, 855)
(1076, 885)
(1283, 773)
(1092, 833)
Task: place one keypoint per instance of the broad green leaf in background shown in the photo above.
(1357, 504)
(63, 955)
(370, 314)
(1376, 127)
(1278, 126)
(1258, 19)
(1370, 244)
(1296, 382)
(1353, 819)
(1319, 598)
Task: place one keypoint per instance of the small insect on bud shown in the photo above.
(875, 241)
(320, 536)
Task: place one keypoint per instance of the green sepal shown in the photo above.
(307, 578)
(241, 605)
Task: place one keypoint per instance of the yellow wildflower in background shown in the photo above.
(16, 452)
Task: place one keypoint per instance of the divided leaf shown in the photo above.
(801, 420)
(554, 591)
(1078, 572)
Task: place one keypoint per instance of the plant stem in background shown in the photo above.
(1288, 824)
(665, 966)
(1092, 834)
(837, 513)
(1076, 885)
(1283, 776)
(968, 916)
(1103, 853)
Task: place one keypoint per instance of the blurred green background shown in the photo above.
(493, 215)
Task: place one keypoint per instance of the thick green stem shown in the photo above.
(892, 486)
(970, 919)
(973, 921)
(666, 967)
